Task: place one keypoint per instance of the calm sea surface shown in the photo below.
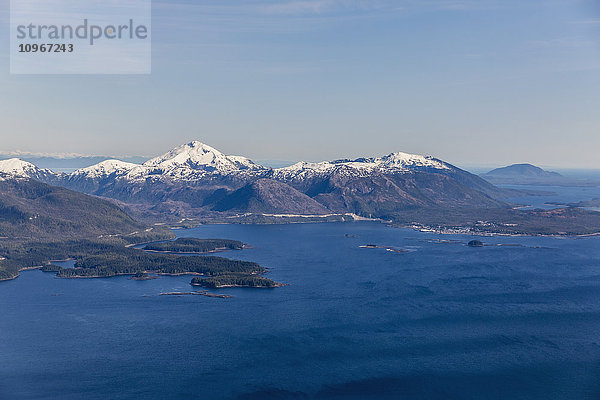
(443, 321)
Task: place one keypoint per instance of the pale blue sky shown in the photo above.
(471, 82)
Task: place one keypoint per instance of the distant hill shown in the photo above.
(523, 170)
(528, 174)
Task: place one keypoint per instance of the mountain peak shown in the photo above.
(398, 162)
(186, 154)
(15, 167)
(105, 168)
(13, 164)
(199, 156)
(197, 143)
(403, 160)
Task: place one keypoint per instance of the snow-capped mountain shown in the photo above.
(199, 156)
(393, 163)
(105, 169)
(404, 161)
(17, 168)
(186, 163)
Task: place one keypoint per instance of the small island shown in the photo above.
(194, 246)
(475, 243)
(238, 280)
(142, 276)
(387, 248)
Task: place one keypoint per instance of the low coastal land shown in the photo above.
(509, 221)
(501, 221)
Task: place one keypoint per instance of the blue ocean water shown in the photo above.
(442, 321)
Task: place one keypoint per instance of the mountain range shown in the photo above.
(195, 179)
(198, 183)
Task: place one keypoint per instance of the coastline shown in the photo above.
(467, 231)
(217, 250)
(129, 274)
(19, 273)
(457, 230)
(277, 285)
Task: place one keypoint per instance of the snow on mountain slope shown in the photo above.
(199, 176)
(196, 161)
(189, 162)
(104, 169)
(401, 160)
(199, 156)
(17, 168)
(392, 163)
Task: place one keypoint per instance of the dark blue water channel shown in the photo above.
(442, 321)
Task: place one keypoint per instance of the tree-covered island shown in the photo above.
(235, 280)
(194, 245)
